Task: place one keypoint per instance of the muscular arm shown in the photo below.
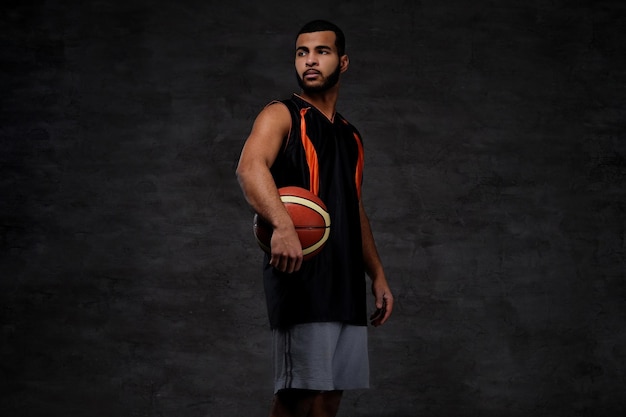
(374, 269)
(259, 188)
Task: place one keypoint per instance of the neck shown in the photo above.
(325, 102)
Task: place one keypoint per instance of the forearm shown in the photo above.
(374, 268)
(373, 264)
(260, 191)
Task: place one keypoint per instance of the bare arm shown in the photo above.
(256, 181)
(374, 269)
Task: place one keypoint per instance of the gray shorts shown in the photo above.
(321, 357)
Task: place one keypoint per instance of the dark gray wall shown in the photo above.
(130, 281)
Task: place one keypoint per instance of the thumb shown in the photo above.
(380, 300)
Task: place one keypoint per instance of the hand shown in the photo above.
(286, 253)
(384, 301)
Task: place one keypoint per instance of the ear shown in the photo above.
(344, 62)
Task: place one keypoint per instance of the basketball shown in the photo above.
(309, 215)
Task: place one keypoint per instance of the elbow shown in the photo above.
(249, 172)
(240, 169)
(244, 173)
(240, 173)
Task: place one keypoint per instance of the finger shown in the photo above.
(376, 322)
(377, 319)
(275, 261)
(388, 309)
(294, 262)
(278, 262)
(289, 265)
(375, 315)
(380, 300)
(298, 263)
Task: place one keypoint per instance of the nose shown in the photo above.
(311, 60)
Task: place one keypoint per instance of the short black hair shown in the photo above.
(324, 25)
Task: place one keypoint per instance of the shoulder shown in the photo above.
(276, 108)
(269, 130)
(274, 114)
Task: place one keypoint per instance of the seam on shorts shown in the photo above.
(288, 361)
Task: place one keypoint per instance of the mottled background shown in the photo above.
(495, 137)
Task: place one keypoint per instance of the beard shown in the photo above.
(328, 83)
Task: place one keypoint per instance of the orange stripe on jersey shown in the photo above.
(311, 155)
(358, 176)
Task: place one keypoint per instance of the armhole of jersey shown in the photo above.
(358, 175)
(292, 110)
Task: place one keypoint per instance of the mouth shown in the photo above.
(310, 74)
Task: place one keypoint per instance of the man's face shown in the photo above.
(317, 62)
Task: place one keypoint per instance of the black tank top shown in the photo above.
(325, 157)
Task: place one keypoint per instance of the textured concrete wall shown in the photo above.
(495, 168)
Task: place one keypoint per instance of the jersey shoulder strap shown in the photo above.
(295, 117)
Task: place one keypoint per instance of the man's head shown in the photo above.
(322, 26)
(320, 56)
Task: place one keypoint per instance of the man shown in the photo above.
(317, 308)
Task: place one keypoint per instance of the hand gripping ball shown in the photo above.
(310, 218)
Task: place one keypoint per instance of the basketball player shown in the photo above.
(317, 308)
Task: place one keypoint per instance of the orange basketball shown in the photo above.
(309, 215)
